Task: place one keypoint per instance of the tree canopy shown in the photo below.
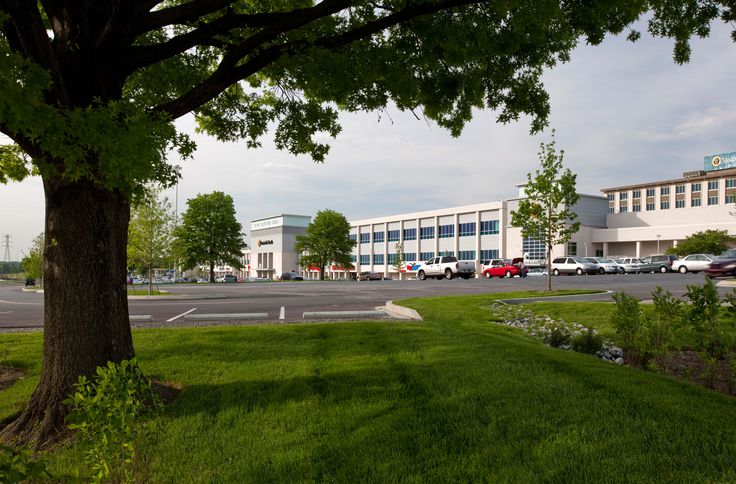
(209, 233)
(32, 263)
(327, 239)
(705, 242)
(546, 211)
(150, 233)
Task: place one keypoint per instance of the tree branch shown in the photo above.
(181, 14)
(228, 72)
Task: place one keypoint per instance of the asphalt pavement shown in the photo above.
(288, 301)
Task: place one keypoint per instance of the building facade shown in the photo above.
(272, 242)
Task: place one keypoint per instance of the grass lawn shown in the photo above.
(451, 398)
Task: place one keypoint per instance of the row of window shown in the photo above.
(487, 227)
(694, 188)
(378, 259)
(665, 204)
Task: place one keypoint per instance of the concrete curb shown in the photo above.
(181, 297)
(28, 289)
(727, 283)
(141, 317)
(343, 314)
(221, 317)
(401, 312)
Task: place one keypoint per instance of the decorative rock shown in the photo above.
(619, 361)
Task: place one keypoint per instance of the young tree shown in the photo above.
(546, 211)
(399, 258)
(33, 263)
(705, 242)
(209, 233)
(327, 239)
(91, 90)
(149, 233)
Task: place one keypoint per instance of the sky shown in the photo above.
(623, 113)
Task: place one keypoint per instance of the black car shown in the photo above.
(723, 265)
(230, 278)
(291, 276)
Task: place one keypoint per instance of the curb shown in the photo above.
(401, 311)
(343, 314)
(727, 283)
(182, 297)
(141, 317)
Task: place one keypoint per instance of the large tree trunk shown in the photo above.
(86, 320)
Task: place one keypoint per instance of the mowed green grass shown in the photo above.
(451, 398)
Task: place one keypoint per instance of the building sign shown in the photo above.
(266, 223)
(264, 242)
(722, 161)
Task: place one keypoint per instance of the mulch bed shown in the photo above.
(688, 365)
(9, 375)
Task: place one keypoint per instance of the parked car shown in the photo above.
(537, 272)
(447, 267)
(502, 269)
(573, 265)
(693, 263)
(230, 278)
(370, 276)
(605, 266)
(490, 263)
(181, 279)
(629, 265)
(723, 265)
(291, 276)
(662, 261)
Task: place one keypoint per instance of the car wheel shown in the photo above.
(663, 269)
(449, 274)
(508, 274)
(422, 275)
(579, 271)
(555, 272)
(601, 271)
(487, 275)
(621, 270)
(682, 270)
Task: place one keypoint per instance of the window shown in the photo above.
(599, 252)
(365, 259)
(650, 192)
(610, 209)
(694, 187)
(636, 208)
(447, 231)
(393, 235)
(730, 198)
(695, 202)
(466, 230)
(611, 197)
(426, 233)
(353, 237)
(534, 247)
(378, 259)
(489, 227)
(679, 203)
(664, 190)
(650, 206)
(410, 257)
(730, 182)
(636, 194)
(572, 248)
(680, 189)
(410, 234)
(450, 253)
(426, 255)
(488, 254)
(623, 209)
(713, 200)
(713, 185)
(391, 259)
(664, 205)
(365, 238)
(623, 196)
(352, 258)
(466, 254)
(378, 237)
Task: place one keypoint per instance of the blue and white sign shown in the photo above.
(720, 162)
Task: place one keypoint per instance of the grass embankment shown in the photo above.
(452, 398)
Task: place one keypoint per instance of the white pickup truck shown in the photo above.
(446, 267)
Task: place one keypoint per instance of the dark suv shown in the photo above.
(723, 266)
(291, 276)
(662, 262)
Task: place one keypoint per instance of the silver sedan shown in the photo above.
(693, 263)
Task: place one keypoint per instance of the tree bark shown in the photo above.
(86, 321)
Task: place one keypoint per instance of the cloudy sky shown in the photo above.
(623, 113)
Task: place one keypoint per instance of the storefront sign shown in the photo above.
(265, 242)
(722, 161)
(267, 223)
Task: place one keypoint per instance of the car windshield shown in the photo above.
(580, 260)
(729, 254)
(605, 261)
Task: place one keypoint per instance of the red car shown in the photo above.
(723, 266)
(503, 269)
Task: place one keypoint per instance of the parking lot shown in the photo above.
(288, 301)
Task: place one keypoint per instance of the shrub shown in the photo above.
(659, 331)
(703, 315)
(18, 465)
(557, 338)
(627, 319)
(587, 342)
(105, 413)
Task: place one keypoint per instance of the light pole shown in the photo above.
(658, 236)
(586, 249)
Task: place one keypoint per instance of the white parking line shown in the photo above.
(282, 314)
(180, 315)
(8, 312)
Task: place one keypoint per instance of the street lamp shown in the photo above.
(586, 249)
(658, 236)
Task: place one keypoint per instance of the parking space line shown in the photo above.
(180, 315)
(282, 313)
